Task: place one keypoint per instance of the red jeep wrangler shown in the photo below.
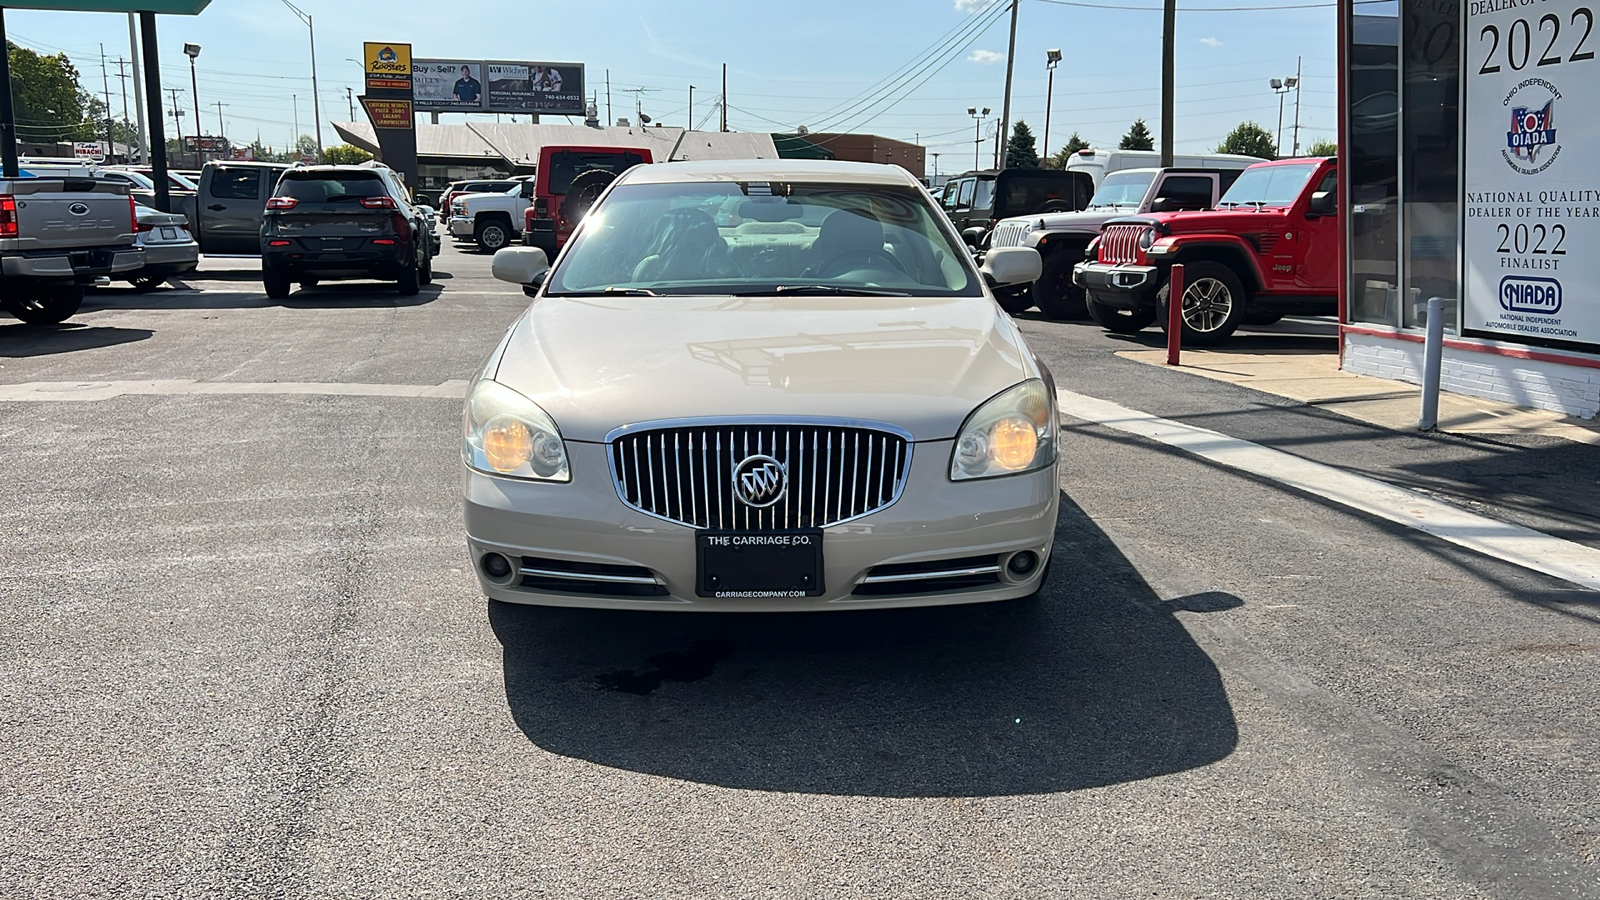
(569, 180)
(1269, 249)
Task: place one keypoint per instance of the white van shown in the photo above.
(1100, 163)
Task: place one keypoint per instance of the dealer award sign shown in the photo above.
(1531, 171)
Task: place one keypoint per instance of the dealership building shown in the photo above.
(1470, 148)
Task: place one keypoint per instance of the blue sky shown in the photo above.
(813, 63)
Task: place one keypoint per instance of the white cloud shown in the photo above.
(1211, 42)
(972, 5)
(985, 56)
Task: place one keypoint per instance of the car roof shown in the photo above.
(733, 170)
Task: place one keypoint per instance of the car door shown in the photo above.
(1317, 270)
(231, 202)
(1182, 192)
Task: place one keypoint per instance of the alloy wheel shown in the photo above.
(1207, 304)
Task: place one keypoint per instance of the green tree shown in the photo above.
(1249, 139)
(1021, 150)
(1058, 159)
(1323, 147)
(1138, 137)
(306, 145)
(346, 154)
(48, 103)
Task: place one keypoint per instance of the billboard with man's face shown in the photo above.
(448, 85)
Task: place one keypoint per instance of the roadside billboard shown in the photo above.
(1531, 201)
(534, 87)
(448, 85)
(388, 66)
(92, 150)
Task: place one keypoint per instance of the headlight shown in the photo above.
(507, 434)
(1146, 238)
(1013, 432)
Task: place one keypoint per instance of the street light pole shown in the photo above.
(1281, 86)
(1052, 59)
(193, 52)
(316, 104)
(1297, 106)
(977, 132)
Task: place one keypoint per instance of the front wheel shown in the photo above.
(1213, 303)
(493, 237)
(1117, 321)
(45, 304)
(1013, 300)
(1054, 292)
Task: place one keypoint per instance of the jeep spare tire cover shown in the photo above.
(584, 190)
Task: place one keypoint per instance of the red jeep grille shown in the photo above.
(1120, 243)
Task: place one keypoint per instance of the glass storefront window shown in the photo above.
(1370, 158)
(1431, 142)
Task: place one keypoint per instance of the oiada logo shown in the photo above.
(1531, 144)
(760, 481)
(1526, 294)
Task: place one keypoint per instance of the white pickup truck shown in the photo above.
(493, 220)
(57, 234)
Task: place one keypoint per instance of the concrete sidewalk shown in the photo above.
(1312, 376)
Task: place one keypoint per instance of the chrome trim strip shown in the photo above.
(604, 579)
(793, 421)
(924, 576)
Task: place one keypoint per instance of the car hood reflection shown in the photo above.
(598, 363)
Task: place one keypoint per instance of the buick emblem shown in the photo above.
(79, 209)
(760, 481)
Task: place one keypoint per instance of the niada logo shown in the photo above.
(760, 481)
(1531, 144)
(1526, 294)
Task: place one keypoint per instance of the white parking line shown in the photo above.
(83, 391)
(1514, 544)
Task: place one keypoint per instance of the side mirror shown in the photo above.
(521, 265)
(528, 189)
(1003, 266)
(973, 236)
(1165, 204)
(1322, 203)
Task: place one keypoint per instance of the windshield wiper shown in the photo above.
(803, 289)
(610, 291)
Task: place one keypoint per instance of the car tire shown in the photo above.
(276, 281)
(1213, 303)
(425, 269)
(492, 237)
(45, 304)
(408, 282)
(1055, 294)
(1109, 318)
(1261, 317)
(1014, 300)
(145, 283)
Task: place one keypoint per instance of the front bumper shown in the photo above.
(935, 519)
(73, 265)
(1123, 286)
(461, 227)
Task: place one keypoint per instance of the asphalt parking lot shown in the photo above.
(244, 655)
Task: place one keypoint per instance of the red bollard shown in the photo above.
(1174, 314)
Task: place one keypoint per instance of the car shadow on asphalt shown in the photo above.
(1094, 683)
(18, 340)
(335, 295)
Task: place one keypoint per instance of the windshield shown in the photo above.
(1123, 189)
(759, 238)
(1268, 186)
(323, 187)
(569, 164)
(181, 181)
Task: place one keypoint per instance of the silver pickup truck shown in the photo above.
(58, 234)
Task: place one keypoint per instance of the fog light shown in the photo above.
(495, 565)
(1023, 563)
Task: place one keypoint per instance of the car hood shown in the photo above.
(1088, 219)
(596, 364)
(1231, 219)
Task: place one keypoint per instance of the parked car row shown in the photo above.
(1256, 243)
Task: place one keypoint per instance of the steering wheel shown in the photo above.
(826, 268)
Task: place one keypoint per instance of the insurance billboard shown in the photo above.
(534, 87)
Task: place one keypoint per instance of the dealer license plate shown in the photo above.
(759, 564)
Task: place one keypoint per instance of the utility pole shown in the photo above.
(724, 96)
(609, 121)
(222, 130)
(350, 98)
(105, 85)
(138, 92)
(177, 119)
(691, 111)
(295, 140)
(1297, 106)
(1169, 27)
(122, 78)
(1004, 134)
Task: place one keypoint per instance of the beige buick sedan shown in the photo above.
(761, 386)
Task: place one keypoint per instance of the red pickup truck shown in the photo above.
(1270, 248)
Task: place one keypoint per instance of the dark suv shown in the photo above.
(335, 222)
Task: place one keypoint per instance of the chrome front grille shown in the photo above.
(1010, 233)
(684, 472)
